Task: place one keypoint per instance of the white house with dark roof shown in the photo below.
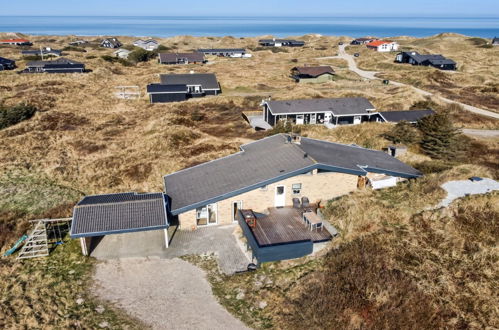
(148, 44)
(111, 43)
(329, 112)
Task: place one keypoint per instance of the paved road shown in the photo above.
(371, 75)
(486, 133)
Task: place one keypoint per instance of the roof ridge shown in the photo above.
(120, 202)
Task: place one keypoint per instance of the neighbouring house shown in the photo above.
(99, 215)
(78, 42)
(149, 44)
(435, 60)
(179, 87)
(225, 52)
(362, 41)
(6, 64)
(181, 58)
(61, 65)
(111, 43)
(410, 116)
(122, 53)
(281, 43)
(329, 112)
(267, 177)
(383, 45)
(45, 51)
(495, 41)
(312, 74)
(16, 42)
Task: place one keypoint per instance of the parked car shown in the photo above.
(356, 54)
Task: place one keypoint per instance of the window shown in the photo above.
(296, 187)
(207, 215)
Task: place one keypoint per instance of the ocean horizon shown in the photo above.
(168, 26)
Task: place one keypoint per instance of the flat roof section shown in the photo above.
(100, 215)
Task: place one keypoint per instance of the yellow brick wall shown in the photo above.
(318, 186)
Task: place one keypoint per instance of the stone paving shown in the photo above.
(217, 240)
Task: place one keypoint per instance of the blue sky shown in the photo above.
(252, 7)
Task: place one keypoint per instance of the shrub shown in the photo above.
(90, 57)
(74, 49)
(284, 127)
(140, 55)
(12, 115)
(403, 132)
(113, 59)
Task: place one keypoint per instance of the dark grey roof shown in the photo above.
(258, 162)
(444, 61)
(158, 89)
(175, 57)
(114, 42)
(42, 52)
(432, 58)
(495, 41)
(410, 116)
(4, 60)
(59, 61)
(270, 160)
(338, 106)
(206, 80)
(118, 213)
(355, 157)
(221, 50)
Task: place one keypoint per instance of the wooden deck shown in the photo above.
(285, 225)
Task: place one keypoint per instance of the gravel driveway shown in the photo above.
(164, 293)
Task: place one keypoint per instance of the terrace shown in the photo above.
(280, 234)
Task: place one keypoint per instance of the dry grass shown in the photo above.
(476, 81)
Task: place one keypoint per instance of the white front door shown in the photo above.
(313, 118)
(357, 120)
(280, 196)
(299, 119)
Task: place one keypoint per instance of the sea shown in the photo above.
(167, 26)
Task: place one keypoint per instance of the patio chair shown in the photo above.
(305, 204)
(296, 203)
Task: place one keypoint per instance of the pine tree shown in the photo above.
(440, 139)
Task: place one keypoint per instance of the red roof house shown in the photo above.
(383, 45)
(17, 42)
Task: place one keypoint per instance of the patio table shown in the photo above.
(313, 219)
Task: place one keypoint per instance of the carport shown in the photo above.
(99, 215)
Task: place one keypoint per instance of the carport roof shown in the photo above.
(99, 215)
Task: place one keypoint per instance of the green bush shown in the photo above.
(113, 59)
(140, 55)
(12, 115)
(403, 132)
(74, 49)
